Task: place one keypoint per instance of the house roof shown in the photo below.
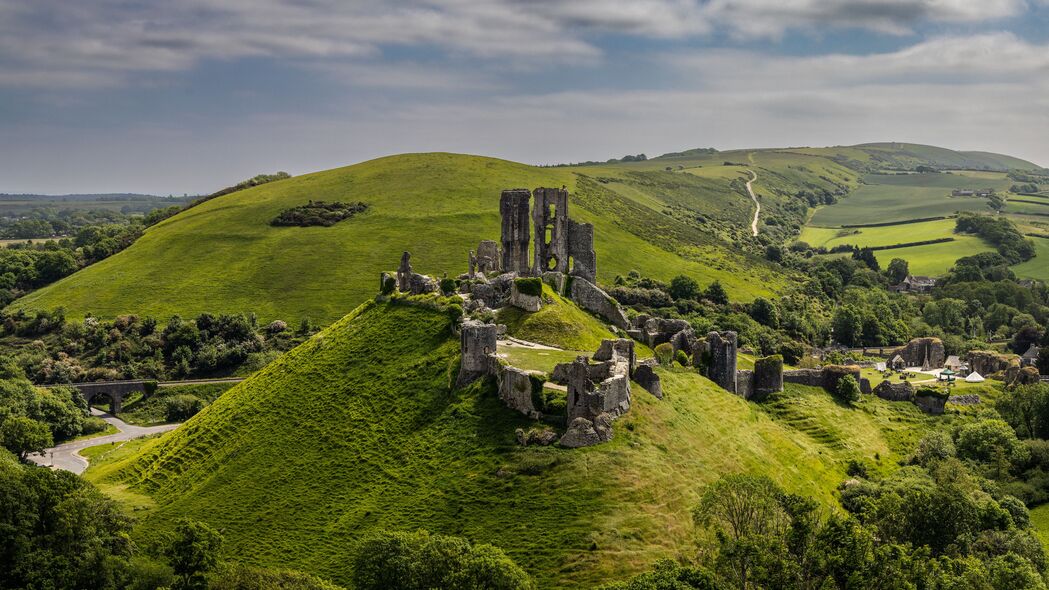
(952, 361)
(1032, 353)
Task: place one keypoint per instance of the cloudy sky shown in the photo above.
(190, 95)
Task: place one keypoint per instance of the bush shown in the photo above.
(318, 213)
(179, 408)
(682, 358)
(664, 353)
(93, 425)
(419, 561)
(449, 286)
(529, 286)
(848, 389)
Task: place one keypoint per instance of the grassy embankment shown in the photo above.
(223, 256)
(357, 430)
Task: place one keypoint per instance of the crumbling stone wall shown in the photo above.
(488, 256)
(513, 209)
(827, 377)
(719, 356)
(745, 383)
(930, 402)
(768, 377)
(591, 298)
(927, 353)
(581, 250)
(987, 362)
(517, 391)
(645, 376)
(477, 344)
(900, 391)
(550, 220)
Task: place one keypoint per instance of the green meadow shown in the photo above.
(888, 198)
(355, 432)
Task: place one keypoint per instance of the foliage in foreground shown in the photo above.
(420, 560)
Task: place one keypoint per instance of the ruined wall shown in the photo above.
(581, 250)
(768, 376)
(513, 209)
(516, 390)
(550, 220)
(923, 352)
(477, 344)
(987, 362)
(720, 354)
(745, 383)
(488, 256)
(901, 391)
(591, 298)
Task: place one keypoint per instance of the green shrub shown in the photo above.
(529, 286)
(449, 286)
(179, 408)
(389, 284)
(664, 353)
(93, 424)
(318, 213)
(243, 577)
(420, 560)
(682, 358)
(149, 388)
(848, 389)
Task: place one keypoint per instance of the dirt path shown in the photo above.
(753, 197)
(66, 456)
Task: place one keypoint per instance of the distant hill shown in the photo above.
(80, 197)
(682, 213)
(358, 430)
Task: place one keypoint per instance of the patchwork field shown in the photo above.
(886, 198)
(1038, 267)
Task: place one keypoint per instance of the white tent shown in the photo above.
(974, 377)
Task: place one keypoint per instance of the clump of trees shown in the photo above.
(136, 347)
(420, 560)
(1001, 232)
(318, 213)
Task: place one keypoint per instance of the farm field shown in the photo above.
(865, 237)
(877, 203)
(1038, 267)
(935, 259)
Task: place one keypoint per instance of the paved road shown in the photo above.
(66, 456)
(753, 197)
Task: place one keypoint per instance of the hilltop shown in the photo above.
(684, 213)
(359, 430)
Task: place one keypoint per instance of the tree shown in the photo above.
(193, 552)
(683, 287)
(848, 325)
(765, 312)
(716, 293)
(848, 389)
(420, 561)
(898, 270)
(24, 436)
(979, 440)
(866, 256)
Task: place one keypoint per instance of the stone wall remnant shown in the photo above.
(584, 433)
(581, 250)
(591, 298)
(550, 220)
(927, 353)
(987, 362)
(513, 209)
(900, 391)
(530, 303)
(477, 344)
(516, 389)
(646, 377)
(930, 401)
(720, 356)
(768, 377)
(488, 257)
(404, 273)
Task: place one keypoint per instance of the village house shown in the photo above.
(915, 284)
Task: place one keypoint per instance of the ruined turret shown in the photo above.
(513, 209)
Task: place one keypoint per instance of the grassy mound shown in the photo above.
(358, 430)
(224, 256)
(559, 323)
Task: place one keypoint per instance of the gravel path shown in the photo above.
(753, 197)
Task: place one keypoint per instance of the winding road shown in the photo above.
(753, 197)
(66, 456)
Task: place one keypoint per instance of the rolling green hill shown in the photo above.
(223, 256)
(358, 430)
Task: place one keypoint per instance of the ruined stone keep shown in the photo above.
(513, 208)
(550, 222)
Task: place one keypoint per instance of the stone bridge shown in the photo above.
(116, 391)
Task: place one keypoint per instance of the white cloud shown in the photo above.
(119, 37)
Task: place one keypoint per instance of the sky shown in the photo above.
(188, 96)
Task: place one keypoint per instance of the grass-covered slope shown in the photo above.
(357, 430)
(224, 256)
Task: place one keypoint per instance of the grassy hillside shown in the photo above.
(357, 430)
(223, 256)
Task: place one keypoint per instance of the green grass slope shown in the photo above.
(223, 256)
(357, 430)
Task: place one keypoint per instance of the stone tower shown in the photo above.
(550, 216)
(513, 208)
